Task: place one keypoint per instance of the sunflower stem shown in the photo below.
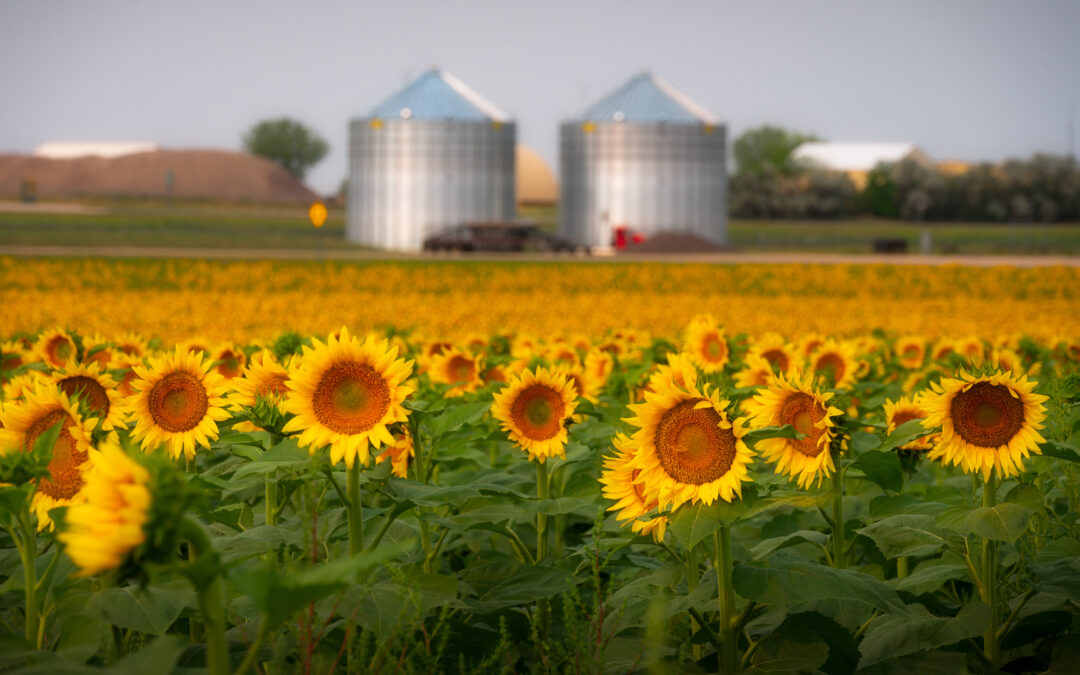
(211, 599)
(693, 576)
(838, 519)
(989, 580)
(542, 492)
(271, 498)
(28, 552)
(356, 514)
(723, 562)
(901, 567)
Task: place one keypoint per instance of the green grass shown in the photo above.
(213, 226)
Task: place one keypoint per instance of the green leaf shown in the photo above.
(800, 500)
(1066, 450)
(880, 467)
(692, 523)
(1061, 577)
(929, 577)
(904, 434)
(1004, 522)
(891, 636)
(279, 595)
(456, 417)
(1026, 495)
(789, 580)
(1037, 627)
(285, 455)
(910, 535)
(863, 441)
(801, 537)
(150, 610)
(786, 431)
(160, 656)
(509, 583)
(843, 649)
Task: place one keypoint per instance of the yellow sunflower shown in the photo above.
(906, 409)
(131, 344)
(942, 349)
(97, 349)
(20, 385)
(178, 402)
(971, 348)
(533, 408)
(54, 347)
(756, 373)
(228, 361)
(102, 530)
(585, 387)
(776, 350)
(456, 367)
(706, 344)
(21, 424)
(1004, 358)
(808, 345)
(686, 447)
(797, 402)
(911, 350)
(345, 394)
(618, 481)
(95, 388)
(835, 364)
(399, 454)
(263, 378)
(562, 354)
(12, 355)
(987, 422)
(599, 366)
(124, 368)
(680, 371)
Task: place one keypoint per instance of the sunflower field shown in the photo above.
(547, 468)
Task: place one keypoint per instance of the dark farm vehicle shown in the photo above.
(497, 236)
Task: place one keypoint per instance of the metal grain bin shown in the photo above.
(647, 158)
(432, 156)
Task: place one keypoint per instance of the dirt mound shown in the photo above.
(214, 175)
(674, 242)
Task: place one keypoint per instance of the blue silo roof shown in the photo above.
(438, 95)
(647, 98)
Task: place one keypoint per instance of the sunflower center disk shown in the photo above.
(64, 478)
(987, 415)
(803, 412)
(461, 369)
(537, 411)
(351, 398)
(691, 446)
(178, 402)
(714, 350)
(89, 389)
(777, 358)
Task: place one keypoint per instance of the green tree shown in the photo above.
(288, 142)
(768, 146)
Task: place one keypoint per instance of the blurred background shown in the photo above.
(855, 127)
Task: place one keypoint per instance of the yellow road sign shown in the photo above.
(317, 213)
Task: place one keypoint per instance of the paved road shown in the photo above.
(725, 258)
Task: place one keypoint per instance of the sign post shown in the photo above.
(317, 214)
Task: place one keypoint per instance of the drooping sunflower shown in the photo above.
(533, 408)
(124, 369)
(21, 424)
(911, 350)
(103, 529)
(458, 368)
(345, 394)
(228, 361)
(95, 388)
(988, 422)
(776, 350)
(706, 344)
(178, 402)
(54, 347)
(835, 364)
(263, 378)
(904, 410)
(687, 448)
(797, 402)
(619, 485)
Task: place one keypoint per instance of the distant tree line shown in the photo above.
(769, 183)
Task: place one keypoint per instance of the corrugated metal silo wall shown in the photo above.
(409, 179)
(649, 177)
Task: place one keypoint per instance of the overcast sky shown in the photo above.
(969, 80)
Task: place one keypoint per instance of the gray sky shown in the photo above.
(970, 80)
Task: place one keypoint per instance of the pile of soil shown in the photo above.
(674, 242)
(210, 175)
